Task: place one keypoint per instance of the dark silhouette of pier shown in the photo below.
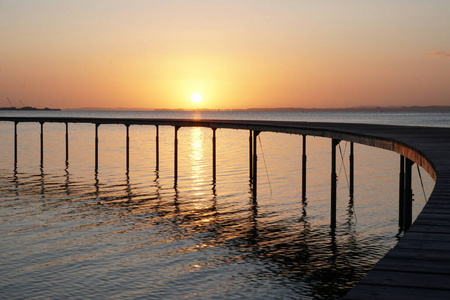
(418, 267)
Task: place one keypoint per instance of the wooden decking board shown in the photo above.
(437, 200)
(434, 216)
(436, 205)
(435, 222)
(428, 245)
(442, 211)
(408, 279)
(427, 236)
(414, 265)
(430, 228)
(427, 146)
(376, 292)
(441, 193)
(418, 254)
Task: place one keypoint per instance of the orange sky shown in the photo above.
(237, 54)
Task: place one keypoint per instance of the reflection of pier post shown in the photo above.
(15, 143)
(128, 146)
(128, 187)
(255, 164)
(157, 148)
(352, 171)
(42, 144)
(176, 154)
(97, 187)
(214, 154)
(407, 204)
(96, 146)
(334, 143)
(304, 168)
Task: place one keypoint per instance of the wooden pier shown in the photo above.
(418, 267)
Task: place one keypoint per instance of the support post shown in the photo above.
(250, 152)
(15, 143)
(352, 171)
(214, 154)
(128, 146)
(334, 143)
(157, 148)
(407, 217)
(255, 164)
(401, 193)
(304, 168)
(67, 143)
(96, 147)
(42, 144)
(176, 154)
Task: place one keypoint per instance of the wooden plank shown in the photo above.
(374, 292)
(425, 227)
(414, 265)
(436, 210)
(432, 216)
(419, 254)
(408, 279)
(432, 222)
(429, 245)
(426, 236)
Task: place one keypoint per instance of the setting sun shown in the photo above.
(196, 97)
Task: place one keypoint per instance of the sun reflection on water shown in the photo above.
(198, 167)
(197, 158)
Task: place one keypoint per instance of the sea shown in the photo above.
(68, 231)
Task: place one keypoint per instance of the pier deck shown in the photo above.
(418, 267)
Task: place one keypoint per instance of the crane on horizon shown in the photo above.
(10, 104)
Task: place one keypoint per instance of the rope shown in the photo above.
(265, 165)
(421, 182)
(343, 165)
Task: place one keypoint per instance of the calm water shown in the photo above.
(66, 231)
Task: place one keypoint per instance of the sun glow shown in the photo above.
(197, 97)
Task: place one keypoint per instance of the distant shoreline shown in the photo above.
(357, 108)
(28, 108)
(277, 109)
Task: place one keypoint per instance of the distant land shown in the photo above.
(356, 108)
(27, 108)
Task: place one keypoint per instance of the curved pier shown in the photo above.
(418, 267)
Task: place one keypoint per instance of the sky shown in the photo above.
(237, 54)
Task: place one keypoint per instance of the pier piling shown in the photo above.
(304, 168)
(401, 192)
(334, 143)
(175, 142)
(15, 143)
(250, 152)
(42, 143)
(407, 204)
(96, 147)
(67, 142)
(157, 148)
(214, 154)
(255, 164)
(352, 171)
(128, 146)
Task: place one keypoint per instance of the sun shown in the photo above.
(196, 97)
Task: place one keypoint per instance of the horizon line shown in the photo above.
(353, 108)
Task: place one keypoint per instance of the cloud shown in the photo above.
(443, 54)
